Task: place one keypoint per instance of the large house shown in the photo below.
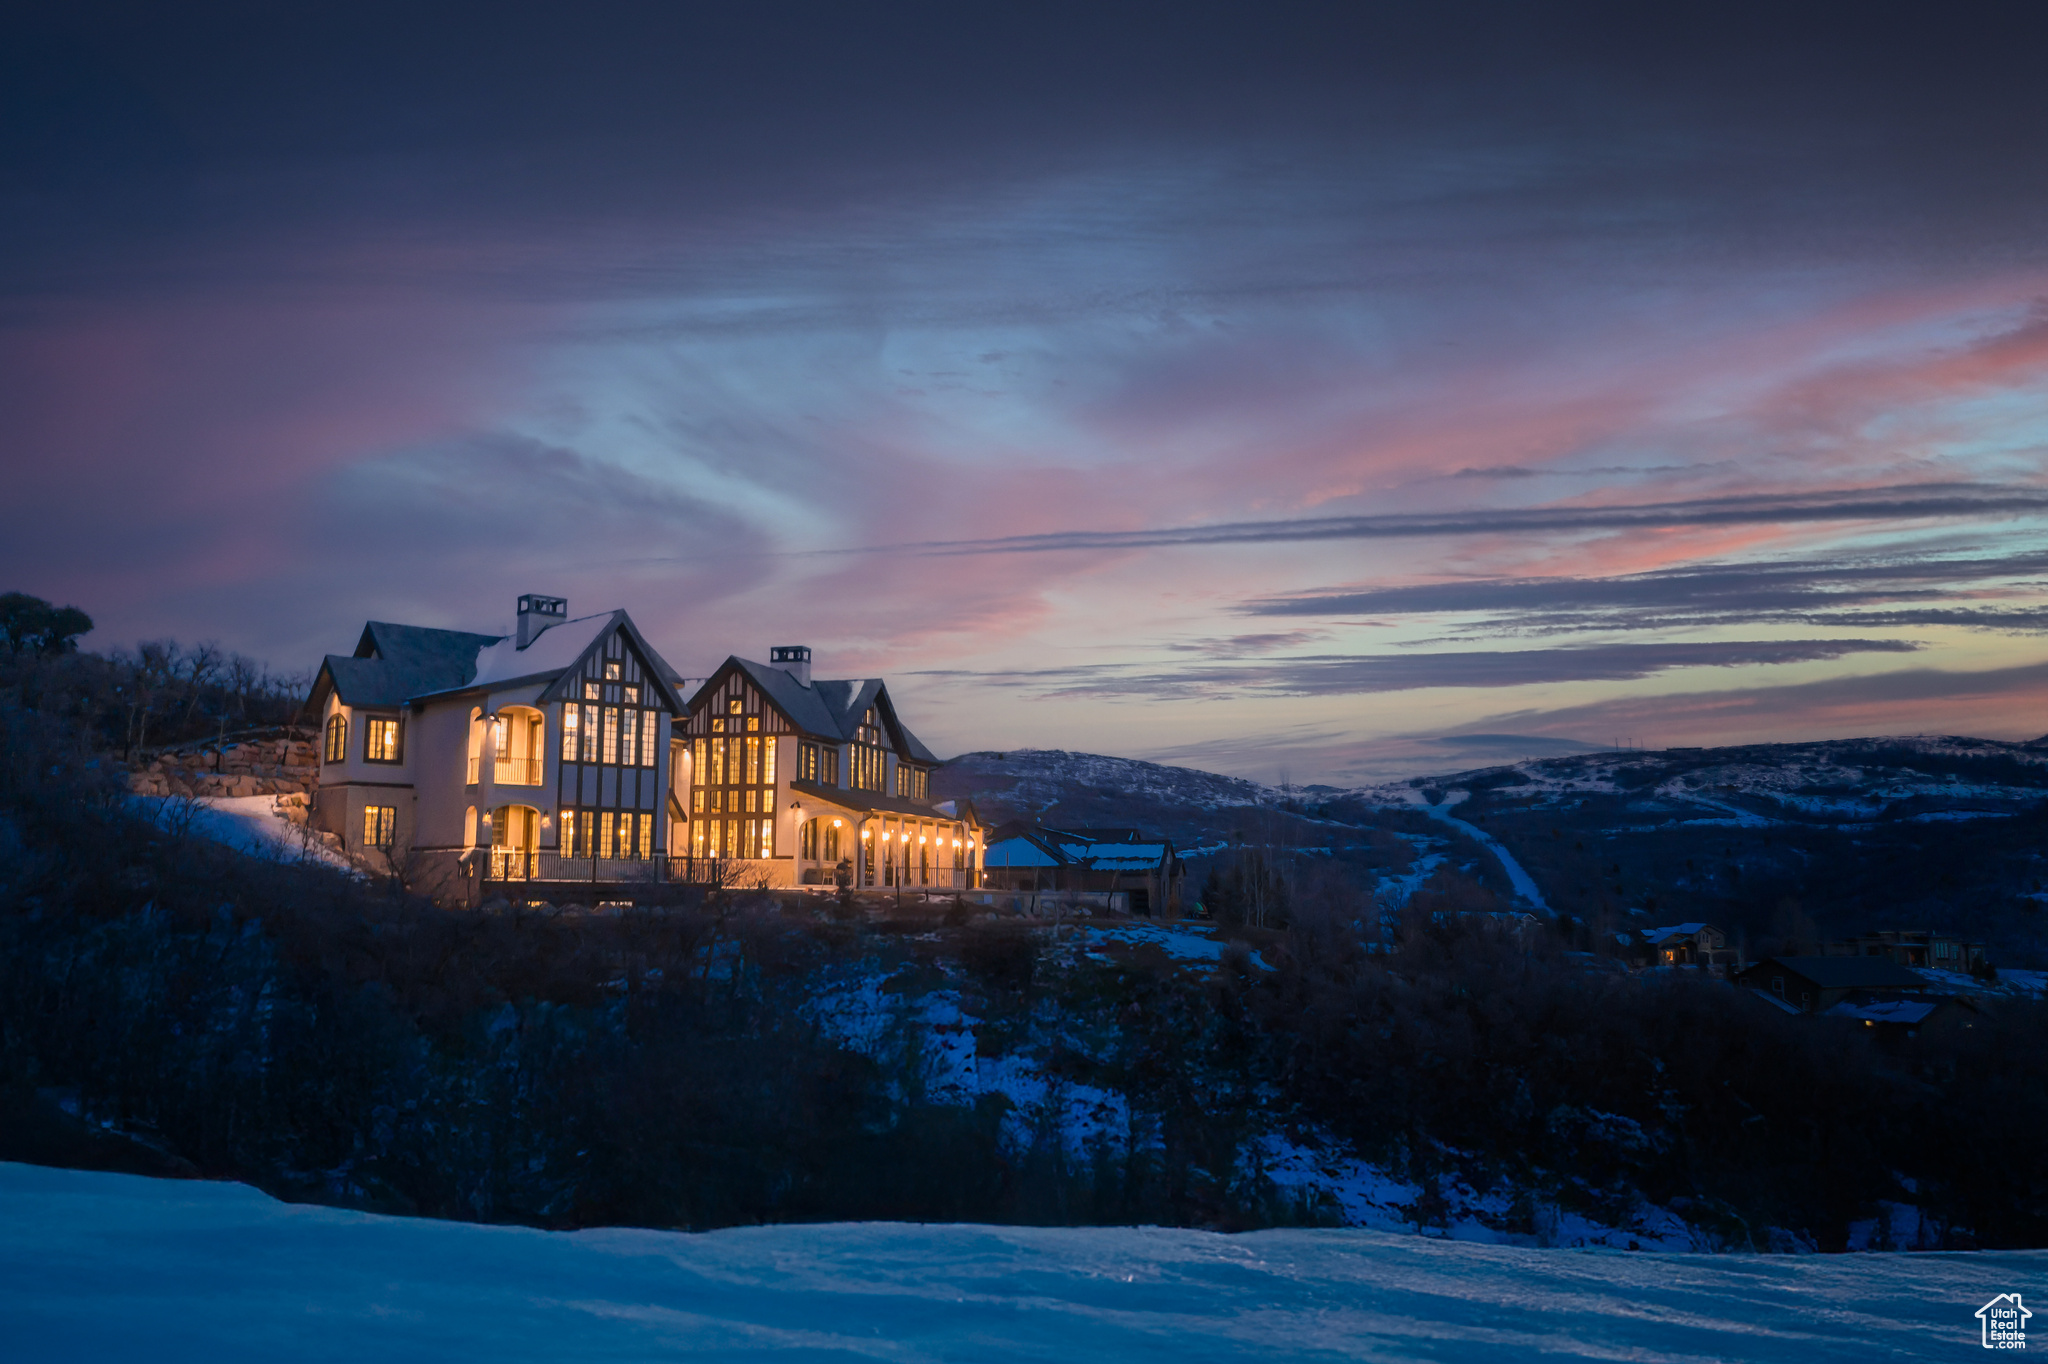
(544, 753)
(789, 780)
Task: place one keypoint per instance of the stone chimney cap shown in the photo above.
(794, 659)
(537, 613)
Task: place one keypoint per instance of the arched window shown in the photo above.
(337, 737)
(469, 827)
(476, 743)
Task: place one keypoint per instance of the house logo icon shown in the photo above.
(2005, 1322)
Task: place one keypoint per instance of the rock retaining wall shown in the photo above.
(270, 767)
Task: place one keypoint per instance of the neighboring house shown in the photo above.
(1817, 984)
(1693, 944)
(1023, 856)
(548, 747)
(783, 778)
(1914, 947)
(1906, 1015)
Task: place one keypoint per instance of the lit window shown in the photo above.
(569, 730)
(718, 725)
(732, 707)
(697, 801)
(380, 825)
(768, 762)
(630, 742)
(337, 738)
(611, 734)
(648, 729)
(753, 760)
(646, 836)
(607, 832)
(753, 724)
(697, 838)
(611, 671)
(568, 833)
(590, 691)
(381, 743)
(632, 696)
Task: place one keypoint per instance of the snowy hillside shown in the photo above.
(97, 1267)
(1850, 780)
(1028, 782)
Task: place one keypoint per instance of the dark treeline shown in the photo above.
(159, 695)
(168, 1005)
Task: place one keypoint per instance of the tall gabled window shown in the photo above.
(648, 729)
(337, 738)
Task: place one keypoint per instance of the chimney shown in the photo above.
(794, 659)
(537, 613)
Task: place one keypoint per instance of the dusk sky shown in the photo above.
(1345, 390)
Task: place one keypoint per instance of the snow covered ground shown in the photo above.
(250, 824)
(113, 1267)
(1526, 889)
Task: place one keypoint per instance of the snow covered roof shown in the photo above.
(394, 663)
(1017, 844)
(1907, 1011)
(1656, 936)
(553, 649)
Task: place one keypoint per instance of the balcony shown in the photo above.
(516, 771)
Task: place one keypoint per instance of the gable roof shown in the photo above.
(827, 709)
(397, 664)
(1846, 973)
(393, 663)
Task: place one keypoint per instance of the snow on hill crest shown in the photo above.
(1841, 778)
(1039, 778)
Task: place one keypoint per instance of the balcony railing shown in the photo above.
(516, 772)
(508, 771)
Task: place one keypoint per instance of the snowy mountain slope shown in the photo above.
(1780, 843)
(100, 1267)
(1842, 780)
(1054, 785)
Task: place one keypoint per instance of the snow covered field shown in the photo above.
(113, 1267)
(250, 824)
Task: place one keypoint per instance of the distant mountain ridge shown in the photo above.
(1023, 783)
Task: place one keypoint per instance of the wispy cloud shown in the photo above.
(1912, 502)
(1342, 675)
(1827, 592)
